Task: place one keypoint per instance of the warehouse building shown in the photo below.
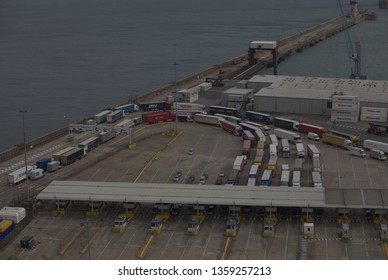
(235, 97)
(311, 95)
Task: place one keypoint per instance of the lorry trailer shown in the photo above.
(114, 116)
(312, 151)
(35, 174)
(101, 117)
(247, 135)
(299, 150)
(296, 178)
(246, 149)
(19, 175)
(152, 118)
(316, 164)
(355, 139)
(71, 156)
(317, 180)
(239, 162)
(207, 119)
(263, 128)
(89, 144)
(285, 178)
(53, 166)
(57, 155)
(291, 136)
(336, 140)
(231, 127)
(187, 106)
(266, 179)
(128, 108)
(285, 148)
(286, 123)
(105, 136)
(371, 144)
(152, 106)
(257, 116)
(306, 128)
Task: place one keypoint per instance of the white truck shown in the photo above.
(36, 173)
(187, 106)
(370, 144)
(359, 152)
(285, 148)
(296, 178)
(299, 150)
(274, 139)
(291, 136)
(377, 154)
(312, 151)
(207, 119)
(285, 177)
(273, 150)
(317, 181)
(19, 175)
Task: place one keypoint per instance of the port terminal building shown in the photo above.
(312, 95)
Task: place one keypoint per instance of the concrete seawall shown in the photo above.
(286, 47)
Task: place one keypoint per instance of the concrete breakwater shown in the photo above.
(229, 69)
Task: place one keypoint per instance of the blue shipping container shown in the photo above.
(151, 106)
(127, 108)
(7, 231)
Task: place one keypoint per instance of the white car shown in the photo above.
(313, 136)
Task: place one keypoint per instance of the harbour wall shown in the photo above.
(229, 69)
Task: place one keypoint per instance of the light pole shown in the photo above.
(25, 153)
(175, 90)
(87, 235)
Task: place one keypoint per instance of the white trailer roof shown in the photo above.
(214, 194)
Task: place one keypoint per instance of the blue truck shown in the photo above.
(42, 163)
(151, 106)
(114, 116)
(128, 108)
(257, 116)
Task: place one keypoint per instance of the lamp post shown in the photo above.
(175, 91)
(87, 235)
(25, 153)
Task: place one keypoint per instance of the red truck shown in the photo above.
(247, 135)
(306, 128)
(231, 127)
(246, 149)
(158, 117)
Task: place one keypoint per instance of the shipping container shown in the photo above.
(42, 163)
(286, 123)
(114, 116)
(345, 99)
(266, 179)
(89, 144)
(373, 118)
(101, 117)
(154, 106)
(374, 111)
(53, 166)
(291, 136)
(57, 155)
(257, 116)
(346, 106)
(19, 175)
(312, 151)
(285, 178)
(71, 156)
(306, 128)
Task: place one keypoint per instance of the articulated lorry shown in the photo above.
(371, 144)
(285, 134)
(336, 140)
(207, 119)
(231, 127)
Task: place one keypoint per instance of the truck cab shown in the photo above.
(36, 174)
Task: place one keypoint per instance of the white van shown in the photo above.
(313, 136)
(357, 152)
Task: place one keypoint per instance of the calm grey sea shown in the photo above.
(62, 60)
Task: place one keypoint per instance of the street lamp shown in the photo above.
(175, 91)
(87, 235)
(25, 153)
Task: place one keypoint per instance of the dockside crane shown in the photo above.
(354, 55)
